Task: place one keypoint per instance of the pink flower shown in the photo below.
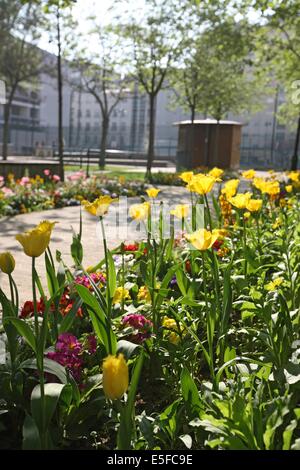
(7, 192)
(56, 178)
(77, 176)
(25, 180)
(47, 172)
(141, 325)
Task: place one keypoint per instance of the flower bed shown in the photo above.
(190, 341)
(38, 194)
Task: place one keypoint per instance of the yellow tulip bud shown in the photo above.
(152, 192)
(115, 376)
(7, 262)
(36, 241)
(216, 172)
(249, 174)
(289, 188)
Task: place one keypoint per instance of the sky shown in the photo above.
(104, 10)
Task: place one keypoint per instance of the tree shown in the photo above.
(217, 75)
(20, 59)
(279, 48)
(154, 43)
(102, 77)
(55, 10)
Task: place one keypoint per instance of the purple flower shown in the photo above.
(91, 344)
(173, 281)
(68, 343)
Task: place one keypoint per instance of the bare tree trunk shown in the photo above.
(294, 162)
(7, 108)
(216, 146)
(193, 114)
(150, 153)
(60, 102)
(104, 135)
(192, 155)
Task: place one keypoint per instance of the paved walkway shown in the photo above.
(62, 236)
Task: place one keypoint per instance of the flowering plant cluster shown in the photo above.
(187, 340)
(19, 196)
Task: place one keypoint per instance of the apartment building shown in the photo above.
(33, 122)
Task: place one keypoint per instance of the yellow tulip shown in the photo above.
(152, 192)
(289, 188)
(216, 172)
(220, 232)
(269, 187)
(7, 262)
(230, 188)
(115, 376)
(181, 211)
(36, 241)
(249, 174)
(99, 207)
(202, 239)
(240, 201)
(120, 294)
(254, 205)
(294, 176)
(201, 184)
(139, 211)
(186, 176)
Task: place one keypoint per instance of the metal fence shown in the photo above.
(257, 150)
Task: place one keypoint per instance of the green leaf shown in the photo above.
(127, 419)
(127, 348)
(190, 392)
(51, 276)
(112, 275)
(187, 440)
(100, 322)
(25, 331)
(70, 317)
(31, 437)
(43, 409)
(53, 367)
(76, 249)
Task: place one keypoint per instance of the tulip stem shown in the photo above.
(210, 332)
(245, 245)
(39, 356)
(11, 290)
(106, 269)
(208, 212)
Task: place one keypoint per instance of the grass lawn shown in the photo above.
(111, 171)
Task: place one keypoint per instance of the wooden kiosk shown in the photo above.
(208, 143)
